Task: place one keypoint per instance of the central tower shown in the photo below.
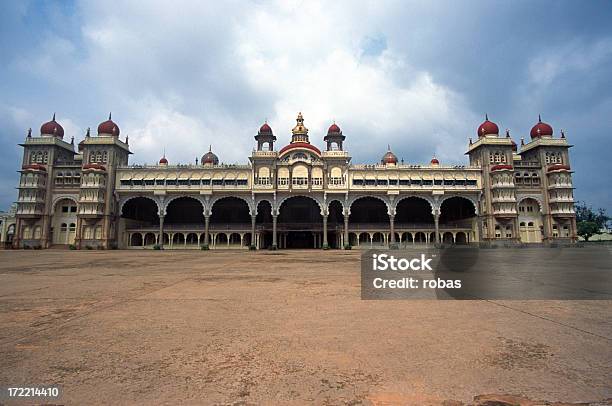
(300, 133)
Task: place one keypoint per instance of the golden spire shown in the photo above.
(300, 132)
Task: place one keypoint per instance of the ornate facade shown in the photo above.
(295, 197)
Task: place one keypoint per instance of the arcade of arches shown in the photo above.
(298, 222)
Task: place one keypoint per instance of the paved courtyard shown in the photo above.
(285, 327)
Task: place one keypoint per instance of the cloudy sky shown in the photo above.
(418, 76)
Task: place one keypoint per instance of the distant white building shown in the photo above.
(7, 227)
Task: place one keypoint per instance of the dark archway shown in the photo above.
(140, 212)
(231, 210)
(335, 224)
(369, 210)
(457, 211)
(184, 210)
(300, 221)
(263, 222)
(413, 210)
(136, 240)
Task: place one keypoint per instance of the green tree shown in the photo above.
(588, 221)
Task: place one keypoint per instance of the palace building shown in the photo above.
(298, 196)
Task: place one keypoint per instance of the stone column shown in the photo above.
(437, 223)
(274, 244)
(346, 232)
(479, 229)
(160, 242)
(206, 228)
(545, 228)
(392, 229)
(253, 218)
(325, 245)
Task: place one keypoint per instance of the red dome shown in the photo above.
(389, 158)
(209, 158)
(541, 129)
(435, 161)
(265, 128)
(163, 161)
(487, 127)
(109, 127)
(334, 129)
(52, 128)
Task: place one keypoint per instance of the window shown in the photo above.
(299, 181)
(73, 209)
(65, 209)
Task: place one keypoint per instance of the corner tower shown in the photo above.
(98, 215)
(498, 201)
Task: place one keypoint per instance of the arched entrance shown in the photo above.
(300, 223)
(231, 210)
(64, 222)
(369, 219)
(231, 215)
(335, 225)
(184, 211)
(530, 221)
(457, 213)
(414, 213)
(263, 222)
(138, 215)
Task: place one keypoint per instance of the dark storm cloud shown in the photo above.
(419, 76)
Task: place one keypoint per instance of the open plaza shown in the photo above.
(280, 327)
